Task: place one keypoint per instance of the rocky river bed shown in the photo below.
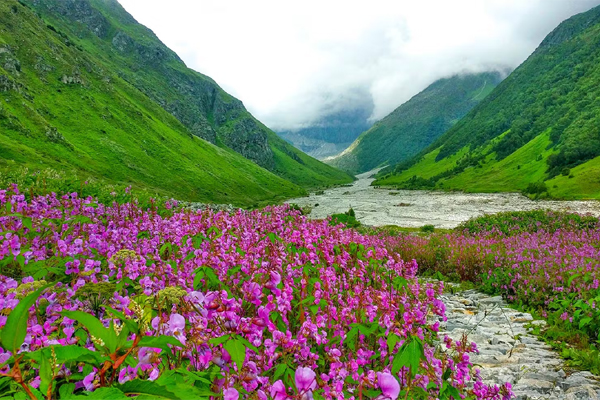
(415, 208)
(509, 353)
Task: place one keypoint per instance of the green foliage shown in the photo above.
(348, 218)
(427, 228)
(14, 331)
(417, 123)
(536, 188)
(549, 94)
(515, 222)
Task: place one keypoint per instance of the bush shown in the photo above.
(565, 172)
(536, 188)
(427, 228)
(348, 218)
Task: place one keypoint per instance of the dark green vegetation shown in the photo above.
(332, 134)
(86, 89)
(541, 124)
(417, 123)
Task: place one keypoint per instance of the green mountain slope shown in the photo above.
(84, 87)
(541, 124)
(417, 123)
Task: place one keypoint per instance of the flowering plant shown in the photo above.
(122, 301)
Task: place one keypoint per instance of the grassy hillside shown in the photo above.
(540, 126)
(61, 107)
(85, 88)
(417, 123)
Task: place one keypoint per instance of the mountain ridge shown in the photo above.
(416, 123)
(87, 88)
(551, 99)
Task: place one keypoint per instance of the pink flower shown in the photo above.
(278, 391)
(231, 394)
(390, 388)
(305, 380)
(176, 327)
(88, 381)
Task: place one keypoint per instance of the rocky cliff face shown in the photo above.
(246, 137)
(80, 12)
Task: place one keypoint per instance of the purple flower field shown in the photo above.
(551, 267)
(125, 302)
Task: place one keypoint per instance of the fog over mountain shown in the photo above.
(295, 63)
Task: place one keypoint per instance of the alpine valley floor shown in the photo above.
(415, 208)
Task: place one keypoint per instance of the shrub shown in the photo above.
(427, 228)
(536, 188)
(348, 218)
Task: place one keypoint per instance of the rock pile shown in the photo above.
(509, 353)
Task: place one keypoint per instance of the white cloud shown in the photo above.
(292, 62)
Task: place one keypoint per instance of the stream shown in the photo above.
(415, 208)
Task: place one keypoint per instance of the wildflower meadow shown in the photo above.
(116, 301)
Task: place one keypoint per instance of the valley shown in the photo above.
(158, 239)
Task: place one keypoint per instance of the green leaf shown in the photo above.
(449, 391)
(194, 376)
(131, 324)
(368, 330)
(219, 340)
(247, 344)
(208, 273)
(160, 342)
(66, 390)
(187, 391)
(584, 321)
(45, 373)
(572, 278)
(410, 356)
(279, 371)
(446, 374)
(14, 331)
(197, 240)
(351, 335)
(237, 351)
(392, 340)
(27, 223)
(399, 283)
(166, 250)
(122, 338)
(140, 387)
(107, 393)
(95, 327)
(21, 261)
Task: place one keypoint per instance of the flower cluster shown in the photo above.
(553, 267)
(268, 303)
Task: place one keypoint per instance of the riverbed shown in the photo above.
(415, 208)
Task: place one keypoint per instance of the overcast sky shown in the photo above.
(293, 62)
